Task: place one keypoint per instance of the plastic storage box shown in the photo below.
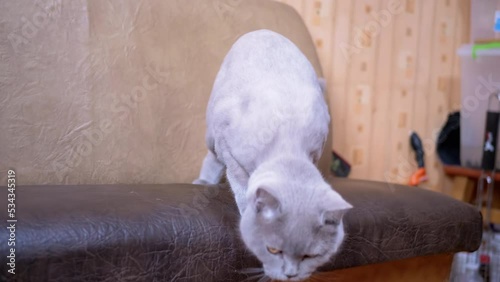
(483, 19)
(480, 77)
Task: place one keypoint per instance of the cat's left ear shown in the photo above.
(266, 204)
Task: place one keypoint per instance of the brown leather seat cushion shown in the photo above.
(185, 232)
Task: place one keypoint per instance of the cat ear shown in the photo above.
(342, 205)
(266, 205)
(334, 201)
(333, 216)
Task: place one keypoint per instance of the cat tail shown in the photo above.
(322, 84)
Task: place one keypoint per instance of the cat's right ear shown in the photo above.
(266, 204)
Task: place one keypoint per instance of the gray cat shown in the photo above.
(267, 122)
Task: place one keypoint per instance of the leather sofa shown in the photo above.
(104, 113)
(184, 232)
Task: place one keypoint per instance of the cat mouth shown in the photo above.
(258, 275)
(302, 278)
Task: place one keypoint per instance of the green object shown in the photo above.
(486, 46)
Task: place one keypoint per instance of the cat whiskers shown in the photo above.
(254, 277)
(257, 273)
(252, 270)
(264, 279)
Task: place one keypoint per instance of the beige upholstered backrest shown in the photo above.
(115, 91)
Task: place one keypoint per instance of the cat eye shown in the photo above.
(304, 257)
(274, 251)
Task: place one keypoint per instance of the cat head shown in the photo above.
(291, 232)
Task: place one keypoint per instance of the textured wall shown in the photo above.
(392, 67)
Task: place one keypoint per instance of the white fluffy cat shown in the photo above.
(267, 122)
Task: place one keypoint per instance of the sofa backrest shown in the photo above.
(99, 92)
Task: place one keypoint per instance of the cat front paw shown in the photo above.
(201, 182)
